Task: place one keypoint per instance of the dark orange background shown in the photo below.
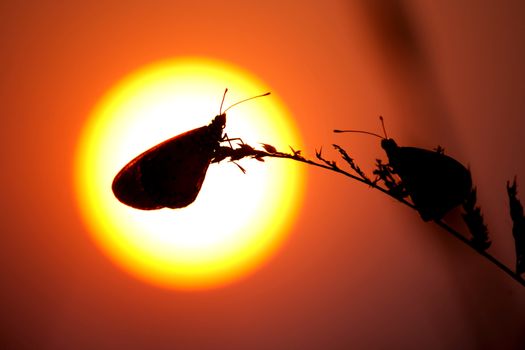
(360, 271)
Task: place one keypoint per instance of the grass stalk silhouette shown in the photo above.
(387, 183)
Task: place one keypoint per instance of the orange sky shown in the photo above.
(360, 271)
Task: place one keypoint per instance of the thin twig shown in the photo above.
(248, 151)
(483, 253)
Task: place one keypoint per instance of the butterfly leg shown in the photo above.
(227, 139)
(223, 152)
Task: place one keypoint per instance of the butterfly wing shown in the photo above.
(435, 182)
(167, 175)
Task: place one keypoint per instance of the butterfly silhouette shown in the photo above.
(435, 182)
(171, 173)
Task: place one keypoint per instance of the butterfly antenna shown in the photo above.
(359, 132)
(383, 125)
(246, 99)
(222, 102)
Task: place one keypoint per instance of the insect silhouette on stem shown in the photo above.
(171, 173)
(435, 182)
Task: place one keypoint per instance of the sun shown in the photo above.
(237, 222)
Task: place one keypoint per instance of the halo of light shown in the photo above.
(237, 222)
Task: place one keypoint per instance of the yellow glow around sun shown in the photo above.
(237, 221)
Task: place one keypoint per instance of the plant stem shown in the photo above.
(483, 253)
(443, 225)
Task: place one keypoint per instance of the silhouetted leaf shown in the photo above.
(240, 167)
(518, 228)
(246, 148)
(385, 173)
(269, 148)
(352, 164)
(332, 164)
(474, 220)
(221, 153)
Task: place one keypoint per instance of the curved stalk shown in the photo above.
(248, 151)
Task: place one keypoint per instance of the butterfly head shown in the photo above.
(389, 145)
(220, 120)
(217, 125)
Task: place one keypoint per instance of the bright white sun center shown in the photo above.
(237, 221)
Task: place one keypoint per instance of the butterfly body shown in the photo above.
(171, 173)
(435, 182)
